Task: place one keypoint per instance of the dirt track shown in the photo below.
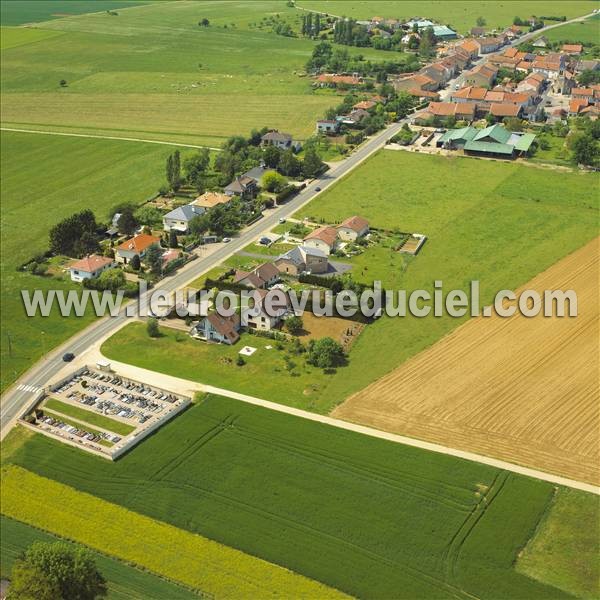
(518, 389)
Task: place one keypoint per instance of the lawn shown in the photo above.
(44, 179)
(87, 416)
(151, 72)
(202, 564)
(265, 374)
(31, 11)
(564, 550)
(124, 582)
(458, 13)
(587, 32)
(11, 37)
(369, 517)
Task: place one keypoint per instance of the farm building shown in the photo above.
(492, 141)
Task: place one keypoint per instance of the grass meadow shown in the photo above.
(460, 14)
(33, 11)
(124, 582)
(208, 567)
(151, 72)
(498, 223)
(371, 518)
(565, 547)
(44, 179)
(587, 32)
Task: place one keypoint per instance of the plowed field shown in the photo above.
(519, 389)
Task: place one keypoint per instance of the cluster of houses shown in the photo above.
(359, 111)
(311, 257)
(382, 27)
(245, 186)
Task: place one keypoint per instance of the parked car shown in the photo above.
(226, 240)
(264, 241)
(317, 189)
(68, 357)
(282, 220)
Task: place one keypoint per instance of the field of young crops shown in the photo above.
(124, 582)
(368, 517)
(195, 561)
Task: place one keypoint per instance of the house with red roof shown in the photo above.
(353, 228)
(136, 246)
(323, 238)
(90, 267)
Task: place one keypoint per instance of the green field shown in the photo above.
(87, 416)
(124, 582)
(18, 12)
(587, 32)
(11, 37)
(44, 179)
(153, 73)
(498, 223)
(264, 375)
(202, 564)
(369, 517)
(461, 14)
(564, 550)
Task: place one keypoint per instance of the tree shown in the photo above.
(325, 353)
(481, 22)
(294, 325)
(173, 170)
(513, 124)
(86, 244)
(148, 215)
(152, 328)
(154, 259)
(313, 165)
(65, 236)
(199, 224)
(272, 156)
(317, 27)
(135, 262)
(173, 243)
(70, 572)
(112, 279)
(588, 77)
(289, 165)
(585, 149)
(127, 222)
(273, 181)
(27, 582)
(63, 83)
(204, 22)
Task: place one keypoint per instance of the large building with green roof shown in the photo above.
(494, 141)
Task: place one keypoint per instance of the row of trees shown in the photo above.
(311, 27)
(351, 33)
(76, 235)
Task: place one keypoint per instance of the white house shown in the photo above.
(353, 228)
(179, 218)
(328, 126)
(323, 238)
(256, 317)
(215, 328)
(89, 267)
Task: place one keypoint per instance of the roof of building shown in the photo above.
(510, 52)
(470, 46)
(421, 93)
(495, 139)
(355, 223)
(225, 326)
(251, 277)
(276, 136)
(256, 173)
(185, 213)
(490, 147)
(138, 243)
(478, 30)
(471, 93)
(443, 31)
(91, 263)
(266, 271)
(578, 91)
(210, 199)
(240, 184)
(326, 234)
(576, 104)
(446, 109)
(421, 79)
(593, 110)
(572, 48)
(505, 109)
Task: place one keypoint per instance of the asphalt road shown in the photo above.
(15, 398)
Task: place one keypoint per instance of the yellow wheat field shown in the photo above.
(520, 389)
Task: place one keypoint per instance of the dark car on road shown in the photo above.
(68, 357)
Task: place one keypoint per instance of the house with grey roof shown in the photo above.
(283, 141)
(302, 259)
(243, 186)
(179, 218)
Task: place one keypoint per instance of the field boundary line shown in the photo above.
(106, 137)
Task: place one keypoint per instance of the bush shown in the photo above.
(325, 353)
(240, 362)
(152, 328)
